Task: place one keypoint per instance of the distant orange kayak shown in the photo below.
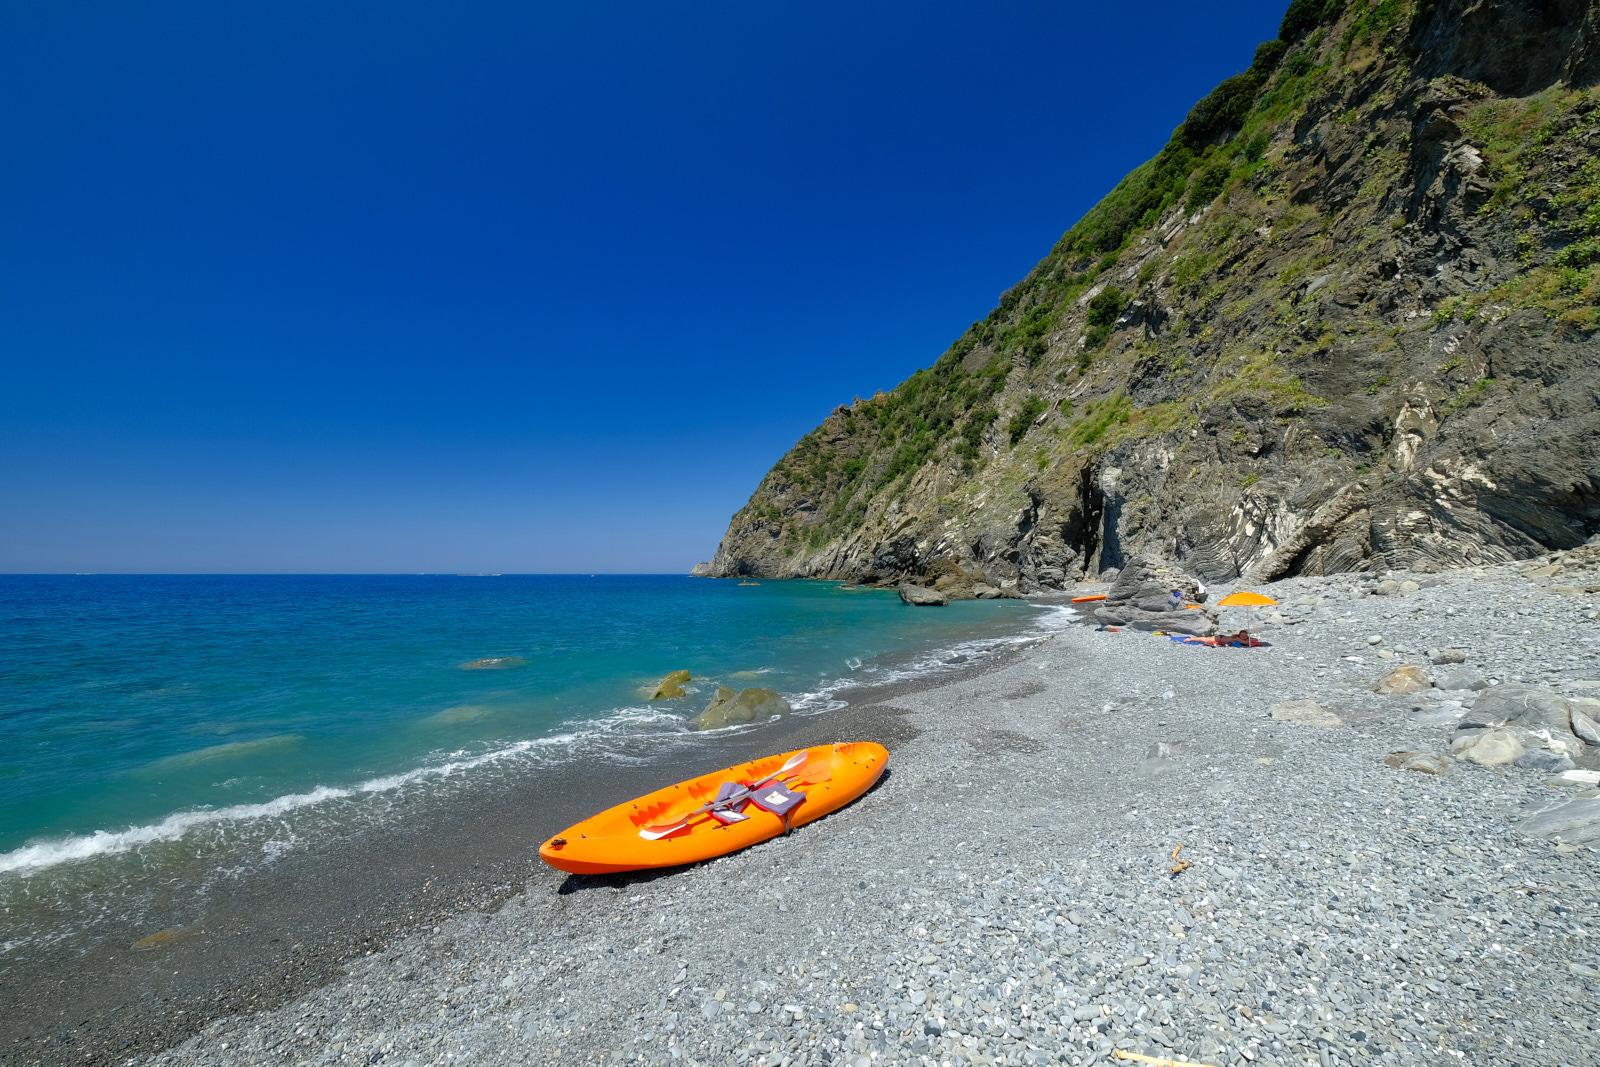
(672, 826)
(1088, 599)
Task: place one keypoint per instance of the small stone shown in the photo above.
(1375, 639)
(1441, 657)
(1458, 679)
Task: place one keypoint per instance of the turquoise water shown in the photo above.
(140, 711)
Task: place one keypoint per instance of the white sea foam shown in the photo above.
(628, 734)
(933, 662)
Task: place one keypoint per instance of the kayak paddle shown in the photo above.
(660, 830)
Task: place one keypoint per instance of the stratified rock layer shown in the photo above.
(1346, 319)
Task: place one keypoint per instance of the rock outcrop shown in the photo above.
(922, 597)
(730, 708)
(670, 687)
(1149, 595)
(1346, 319)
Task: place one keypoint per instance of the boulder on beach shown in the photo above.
(1488, 748)
(923, 597)
(1148, 595)
(494, 663)
(1524, 705)
(1306, 713)
(1421, 762)
(731, 708)
(670, 687)
(1543, 726)
(1573, 821)
(1402, 680)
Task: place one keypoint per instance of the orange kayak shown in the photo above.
(672, 826)
(1088, 599)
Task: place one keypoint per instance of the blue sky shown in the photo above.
(510, 287)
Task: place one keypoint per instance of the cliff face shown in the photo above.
(1348, 317)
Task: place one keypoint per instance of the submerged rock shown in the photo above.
(923, 597)
(730, 708)
(670, 687)
(494, 663)
(454, 716)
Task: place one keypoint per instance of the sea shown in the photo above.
(192, 722)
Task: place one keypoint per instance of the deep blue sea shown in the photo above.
(150, 712)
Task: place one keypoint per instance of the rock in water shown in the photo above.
(670, 687)
(1306, 713)
(923, 597)
(729, 708)
(494, 663)
(1402, 680)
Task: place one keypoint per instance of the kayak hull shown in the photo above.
(609, 842)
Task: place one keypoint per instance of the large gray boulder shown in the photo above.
(1527, 706)
(1522, 724)
(1575, 821)
(923, 597)
(1149, 595)
(730, 708)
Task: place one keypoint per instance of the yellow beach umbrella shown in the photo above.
(1244, 599)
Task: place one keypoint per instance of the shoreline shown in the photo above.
(294, 925)
(1006, 895)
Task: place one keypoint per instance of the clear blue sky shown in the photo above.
(513, 287)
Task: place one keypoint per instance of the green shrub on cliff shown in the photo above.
(1304, 16)
(1020, 422)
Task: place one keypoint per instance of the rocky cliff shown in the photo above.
(1349, 317)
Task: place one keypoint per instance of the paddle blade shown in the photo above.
(656, 833)
(812, 775)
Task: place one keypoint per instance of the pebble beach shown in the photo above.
(1102, 843)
